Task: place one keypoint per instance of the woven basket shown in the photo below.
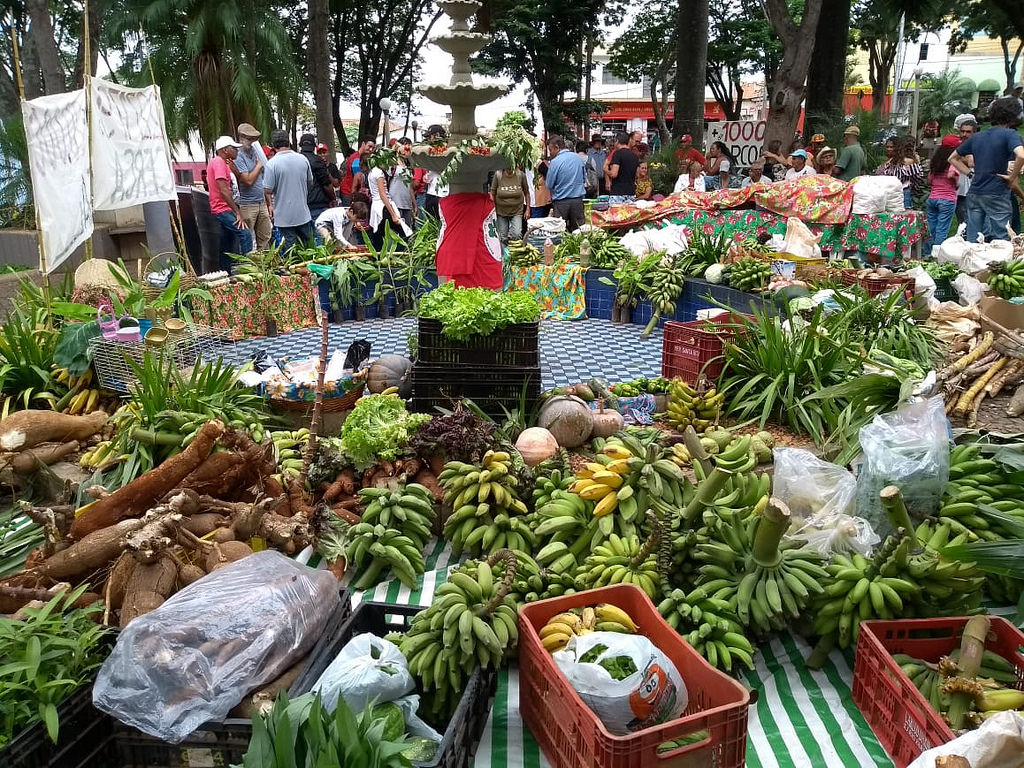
(165, 260)
(1006, 342)
(330, 404)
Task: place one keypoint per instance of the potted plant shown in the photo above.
(630, 281)
(384, 258)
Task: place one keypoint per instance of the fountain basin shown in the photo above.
(461, 43)
(463, 94)
(459, 11)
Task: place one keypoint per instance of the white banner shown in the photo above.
(58, 155)
(131, 159)
(743, 138)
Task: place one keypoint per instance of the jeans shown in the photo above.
(570, 209)
(314, 214)
(257, 219)
(509, 227)
(292, 236)
(233, 239)
(908, 198)
(988, 215)
(539, 211)
(421, 203)
(940, 216)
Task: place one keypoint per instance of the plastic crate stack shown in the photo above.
(496, 372)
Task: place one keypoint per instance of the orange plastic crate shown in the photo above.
(904, 722)
(572, 736)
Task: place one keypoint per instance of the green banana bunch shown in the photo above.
(1007, 279)
(623, 561)
(926, 678)
(663, 290)
(710, 626)
(691, 407)
(749, 273)
(609, 254)
(487, 513)
(545, 486)
(568, 525)
(471, 622)
(288, 447)
(523, 254)
(394, 529)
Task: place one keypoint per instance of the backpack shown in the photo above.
(591, 181)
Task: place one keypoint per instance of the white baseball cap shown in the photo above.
(225, 141)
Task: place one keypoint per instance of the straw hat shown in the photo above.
(97, 273)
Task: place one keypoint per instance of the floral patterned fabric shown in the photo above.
(560, 289)
(306, 391)
(240, 307)
(813, 199)
(886, 235)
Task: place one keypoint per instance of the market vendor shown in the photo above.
(345, 225)
(825, 162)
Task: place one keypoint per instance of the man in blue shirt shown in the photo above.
(253, 200)
(989, 202)
(566, 181)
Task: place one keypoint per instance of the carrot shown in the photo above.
(92, 552)
(142, 492)
(25, 429)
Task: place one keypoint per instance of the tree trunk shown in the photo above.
(46, 48)
(691, 57)
(1010, 62)
(318, 67)
(881, 56)
(589, 66)
(798, 44)
(827, 75)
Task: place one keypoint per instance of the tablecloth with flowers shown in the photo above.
(885, 235)
(242, 307)
(559, 289)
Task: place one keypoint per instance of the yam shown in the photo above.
(94, 551)
(428, 479)
(26, 429)
(27, 462)
(117, 581)
(1016, 406)
(344, 485)
(142, 492)
(148, 587)
(13, 599)
(229, 552)
(204, 523)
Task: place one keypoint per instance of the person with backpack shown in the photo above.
(591, 179)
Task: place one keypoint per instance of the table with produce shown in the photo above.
(246, 304)
(799, 546)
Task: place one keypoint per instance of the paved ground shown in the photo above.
(570, 351)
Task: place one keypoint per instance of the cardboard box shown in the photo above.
(1003, 312)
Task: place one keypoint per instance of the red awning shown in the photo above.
(627, 110)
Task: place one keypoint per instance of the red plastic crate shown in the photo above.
(876, 285)
(697, 346)
(571, 735)
(904, 722)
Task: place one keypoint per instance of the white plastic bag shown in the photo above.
(654, 694)
(871, 192)
(924, 285)
(197, 655)
(839, 534)
(969, 289)
(997, 743)
(799, 240)
(810, 486)
(367, 668)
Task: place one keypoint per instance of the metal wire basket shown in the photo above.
(113, 359)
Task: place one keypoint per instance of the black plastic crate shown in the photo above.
(514, 346)
(83, 736)
(492, 389)
(461, 737)
(944, 290)
(213, 744)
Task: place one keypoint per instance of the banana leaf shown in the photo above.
(1003, 558)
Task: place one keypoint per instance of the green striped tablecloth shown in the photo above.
(802, 718)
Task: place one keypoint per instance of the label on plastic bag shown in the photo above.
(654, 700)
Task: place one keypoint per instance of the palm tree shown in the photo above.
(217, 63)
(942, 97)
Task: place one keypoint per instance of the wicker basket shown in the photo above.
(166, 260)
(330, 404)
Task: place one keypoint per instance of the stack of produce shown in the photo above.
(641, 386)
(688, 407)
(663, 288)
(716, 439)
(523, 254)
(603, 617)
(81, 397)
(978, 369)
(1006, 279)
(628, 560)
(392, 534)
(749, 274)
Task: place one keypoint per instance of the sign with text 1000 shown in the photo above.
(743, 138)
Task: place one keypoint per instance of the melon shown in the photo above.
(568, 418)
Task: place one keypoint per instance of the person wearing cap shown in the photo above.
(989, 201)
(289, 178)
(253, 199)
(944, 180)
(321, 196)
(235, 236)
(852, 161)
(332, 168)
(800, 166)
(812, 149)
(685, 154)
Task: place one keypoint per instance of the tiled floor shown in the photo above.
(570, 351)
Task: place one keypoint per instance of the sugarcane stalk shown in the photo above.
(970, 357)
(967, 398)
(972, 647)
(771, 528)
(895, 508)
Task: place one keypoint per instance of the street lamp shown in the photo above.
(385, 105)
(415, 126)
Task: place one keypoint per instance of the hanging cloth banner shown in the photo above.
(131, 159)
(58, 157)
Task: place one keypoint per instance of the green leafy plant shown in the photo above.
(885, 323)
(464, 312)
(632, 278)
(27, 345)
(301, 733)
(47, 656)
(19, 535)
(378, 428)
(423, 246)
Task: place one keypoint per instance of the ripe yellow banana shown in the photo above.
(610, 479)
(617, 452)
(596, 491)
(608, 612)
(606, 505)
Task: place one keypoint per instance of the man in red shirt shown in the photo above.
(686, 153)
(352, 168)
(235, 236)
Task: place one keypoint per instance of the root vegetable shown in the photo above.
(149, 542)
(970, 357)
(1016, 406)
(995, 386)
(972, 417)
(25, 429)
(221, 554)
(28, 461)
(967, 398)
(345, 513)
(117, 581)
(262, 699)
(13, 599)
(285, 533)
(980, 366)
(92, 552)
(204, 523)
(140, 494)
(246, 523)
(149, 586)
(428, 480)
(344, 485)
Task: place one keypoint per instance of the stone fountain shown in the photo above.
(468, 250)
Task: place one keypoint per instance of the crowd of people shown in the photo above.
(261, 194)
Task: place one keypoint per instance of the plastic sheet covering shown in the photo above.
(197, 655)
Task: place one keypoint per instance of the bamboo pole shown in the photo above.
(87, 84)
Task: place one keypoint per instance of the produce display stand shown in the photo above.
(242, 309)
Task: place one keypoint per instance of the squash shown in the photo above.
(606, 422)
(536, 445)
(390, 371)
(568, 418)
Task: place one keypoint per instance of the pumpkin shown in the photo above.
(606, 422)
(568, 418)
(390, 371)
(536, 445)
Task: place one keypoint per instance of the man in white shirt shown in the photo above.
(800, 166)
(755, 175)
